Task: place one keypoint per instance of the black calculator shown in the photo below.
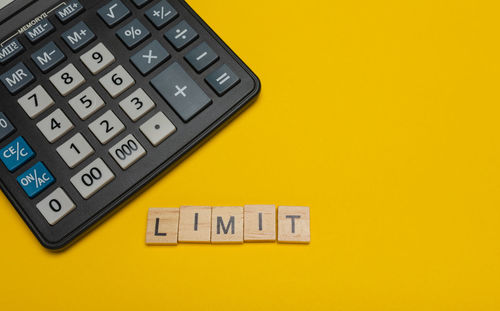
(99, 98)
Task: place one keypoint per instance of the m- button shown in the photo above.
(17, 78)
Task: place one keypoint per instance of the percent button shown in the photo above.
(133, 34)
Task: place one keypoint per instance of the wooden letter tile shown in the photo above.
(227, 224)
(195, 224)
(293, 224)
(260, 223)
(163, 224)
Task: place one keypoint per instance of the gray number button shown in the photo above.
(137, 105)
(106, 127)
(117, 81)
(36, 102)
(75, 150)
(56, 206)
(127, 152)
(158, 128)
(86, 103)
(55, 125)
(67, 80)
(97, 59)
(92, 178)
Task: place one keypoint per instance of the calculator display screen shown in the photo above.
(4, 3)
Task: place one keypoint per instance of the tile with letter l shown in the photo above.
(162, 226)
(195, 224)
(294, 224)
(260, 223)
(227, 224)
(16, 154)
(35, 180)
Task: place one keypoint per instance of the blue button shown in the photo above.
(48, 57)
(69, 11)
(39, 31)
(35, 180)
(10, 50)
(17, 78)
(78, 36)
(15, 154)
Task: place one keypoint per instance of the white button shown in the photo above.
(67, 80)
(86, 103)
(36, 102)
(92, 178)
(75, 150)
(127, 152)
(137, 105)
(97, 59)
(106, 127)
(158, 128)
(56, 206)
(117, 81)
(55, 125)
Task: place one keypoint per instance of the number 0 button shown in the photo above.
(92, 178)
(56, 206)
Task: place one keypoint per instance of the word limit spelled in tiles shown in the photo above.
(228, 225)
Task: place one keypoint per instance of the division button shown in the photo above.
(69, 11)
(181, 35)
(113, 12)
(16, 154)
(17, 78)
(222, 80)
(56, 206)
(158, 128)
(92, 178)
(181, 92)
(48, 57)
(35, 180)
(6, 127)
(161, 14)
(150, 57)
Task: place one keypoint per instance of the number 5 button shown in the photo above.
(97, 59)
(92, 178)
(56, 206)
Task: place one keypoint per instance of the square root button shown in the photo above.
(181, 92)
(35, 180)
(15, 154)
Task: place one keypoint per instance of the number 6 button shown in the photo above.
(92, 178)
(117, 81)
(56, 206)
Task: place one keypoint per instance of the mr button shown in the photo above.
(17, 78)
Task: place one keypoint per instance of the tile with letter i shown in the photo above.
(227, 224)
(163, 224)
(294, 224)
(260, 223)
(195, 224)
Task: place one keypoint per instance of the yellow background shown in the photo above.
(382, 116)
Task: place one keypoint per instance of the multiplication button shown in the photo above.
(16, 154)
(92, 178)
(56, 206)
(6, 127)
(150, 57)
(35, 180)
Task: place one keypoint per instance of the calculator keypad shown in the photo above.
(92, 178)
(107, 110)
(67, 80)
(55, 126)
(36, 102)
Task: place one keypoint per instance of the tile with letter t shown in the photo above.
(227, 224)
(260, 223)
(163, 224)
(294, 224)
(195, 224)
